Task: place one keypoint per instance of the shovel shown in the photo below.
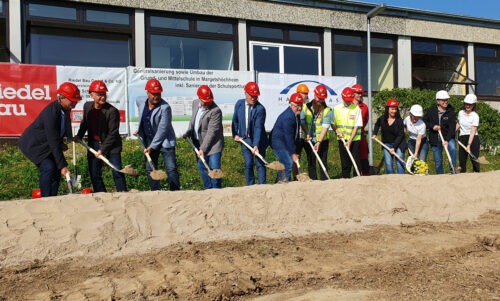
(276, 165)
(214, 174)
(447, 152)
(480, 160)
(68, 180)
(350, 156)
(155, 174)
(302, 176)
(76, 178)
(319, 159)
(395, 155)
(128, 170)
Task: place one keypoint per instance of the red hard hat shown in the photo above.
(70, 91)
(153, 86)
(86, 190)
(357, 88)
(321, 92)
(392, 102)
(98, 86)
(297, 98)
(348, 94)
(252, 88)
(36, 194)
(205, 94)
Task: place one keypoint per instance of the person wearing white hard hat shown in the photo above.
(442, 118)
(417, 136)
(468, 122)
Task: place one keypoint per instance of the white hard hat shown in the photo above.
(470, 98)
(417, 111)
(442, 95)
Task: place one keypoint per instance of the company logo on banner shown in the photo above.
(25, 90)
(276, 89)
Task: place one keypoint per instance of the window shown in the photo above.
(186, 42)
(78, 34)
(280, 49)
(440, 65)
(487, 60)
(4, 50)
(350, 59)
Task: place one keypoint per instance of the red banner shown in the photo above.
(24, 91)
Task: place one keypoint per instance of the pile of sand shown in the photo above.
(111, 224)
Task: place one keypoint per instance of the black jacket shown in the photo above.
(43, 137)
(394, 133)
(109, 127)
(448, 124)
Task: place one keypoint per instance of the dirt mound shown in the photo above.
(387, 238)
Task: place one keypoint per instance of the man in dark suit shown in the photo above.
(157, 132)
(43, 141)
(285, 136)
(102, 121)
(206, 131)
(248, 125)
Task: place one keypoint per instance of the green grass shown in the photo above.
(20, 176)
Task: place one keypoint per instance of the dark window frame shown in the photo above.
(192, 32)
(364, 48)
(4, 17)
(439, 44)
(80, 24)
(495, 59)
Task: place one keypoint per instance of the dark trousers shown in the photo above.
(345, 160)
(462, 154)
(250, 160)
(50, 176)
(95, 169)
(312, 160)
(170, 161)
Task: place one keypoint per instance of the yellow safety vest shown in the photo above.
(345, 120)
(319, 121)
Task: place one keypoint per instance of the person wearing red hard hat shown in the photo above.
(347, 124)
(101, 121)
(363, 144)
(393, 136)
(285, 136)
(248, 122)
(206, 131)
(315, 119)
(157, 133)
(43, 140)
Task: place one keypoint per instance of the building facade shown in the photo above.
(410, 48)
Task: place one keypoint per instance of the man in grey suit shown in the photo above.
(206, 132)
(157, 132)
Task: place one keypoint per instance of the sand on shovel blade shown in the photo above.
(158, 175)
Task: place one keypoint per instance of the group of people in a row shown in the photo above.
(303, 125)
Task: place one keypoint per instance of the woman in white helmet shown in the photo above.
(468, 122)
(416, 129)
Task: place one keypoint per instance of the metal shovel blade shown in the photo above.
(276, 165)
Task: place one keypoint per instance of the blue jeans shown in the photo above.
(95, 169)
(50, 176)
(214, 162)
(249, 163)
(285, 158)
(389, 158)
(424, 149)
(169, 159)
(437, 151)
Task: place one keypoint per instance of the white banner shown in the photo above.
(276, 89)
(179, 90)
(115, 79)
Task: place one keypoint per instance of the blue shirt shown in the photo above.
(146, 126)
